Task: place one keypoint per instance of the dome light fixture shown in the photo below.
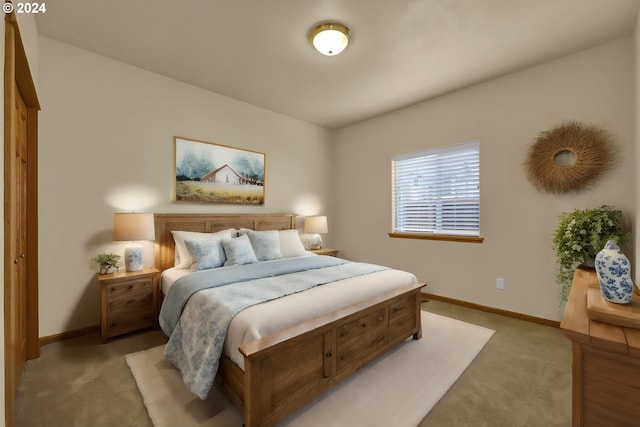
(330, 38)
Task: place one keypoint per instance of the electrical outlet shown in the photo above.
(499, 283)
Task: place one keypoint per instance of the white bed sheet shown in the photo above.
(264, 319)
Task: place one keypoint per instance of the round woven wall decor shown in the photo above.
(568, 157)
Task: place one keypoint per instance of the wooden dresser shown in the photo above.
(605, 363)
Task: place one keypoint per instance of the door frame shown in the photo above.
(16, 69)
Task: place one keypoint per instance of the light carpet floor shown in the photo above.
(398, 389)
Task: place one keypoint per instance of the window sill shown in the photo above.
(445, 237)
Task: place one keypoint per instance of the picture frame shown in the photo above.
(206, 172)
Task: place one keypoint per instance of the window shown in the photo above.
(437, 192)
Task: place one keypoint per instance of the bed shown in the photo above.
(278, 372)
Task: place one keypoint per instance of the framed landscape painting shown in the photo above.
(211, 173)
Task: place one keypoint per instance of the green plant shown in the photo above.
(106, 261)
(580, 235)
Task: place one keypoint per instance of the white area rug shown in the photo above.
(397, 390)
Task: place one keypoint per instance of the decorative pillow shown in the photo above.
(183, 258)
(290, 244)
(239, 251)
(205, 253)
(265, 244)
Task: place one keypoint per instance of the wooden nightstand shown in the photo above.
(325, 251)
(128, 301)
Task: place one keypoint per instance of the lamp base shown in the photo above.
(133, 257)
(315, 241)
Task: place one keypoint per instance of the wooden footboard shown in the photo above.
(287, 370)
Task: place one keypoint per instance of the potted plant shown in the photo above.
(580, 235)
(108, 262)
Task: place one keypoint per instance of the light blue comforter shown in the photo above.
(198, 308)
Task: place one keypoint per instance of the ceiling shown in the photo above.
(402, 51)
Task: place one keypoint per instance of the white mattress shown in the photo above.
(267, 318)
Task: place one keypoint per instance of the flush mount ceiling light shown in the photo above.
(330, 38)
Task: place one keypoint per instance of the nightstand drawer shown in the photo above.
(132, 301)
(130, 287)
(133, 295)
(129, 321)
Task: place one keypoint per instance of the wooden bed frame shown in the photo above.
(288, 369)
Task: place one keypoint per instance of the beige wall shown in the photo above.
(29, 35)
(106, 145)
(517, 221)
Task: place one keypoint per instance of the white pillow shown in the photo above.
(290, 244)
(265, 244)
(183, 258)
(239, 251)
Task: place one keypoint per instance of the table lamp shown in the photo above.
(133, 227)
(315, 225)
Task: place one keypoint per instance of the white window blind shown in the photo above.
(437, 191)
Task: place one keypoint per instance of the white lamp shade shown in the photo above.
(133, 226)
(316, 224)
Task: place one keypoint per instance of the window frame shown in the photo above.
(471, 153)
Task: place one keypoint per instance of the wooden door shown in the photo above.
(21, 108)
(20, 261)
(15, 217)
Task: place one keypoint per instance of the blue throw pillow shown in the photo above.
(205, 253)
(239, 251)
(265, 244)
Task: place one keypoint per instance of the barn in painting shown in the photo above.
(226, 175)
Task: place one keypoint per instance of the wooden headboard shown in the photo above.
(210, 223)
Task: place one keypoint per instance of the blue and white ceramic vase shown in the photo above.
(614, 274)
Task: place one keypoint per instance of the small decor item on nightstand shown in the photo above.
(614, 274)
(133, 227)
(108, 262)
(315, 225)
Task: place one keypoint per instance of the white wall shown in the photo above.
(517, 221)
(106, 145)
